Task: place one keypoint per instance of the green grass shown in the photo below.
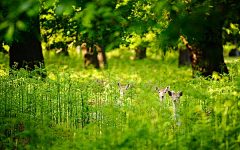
(55, 113)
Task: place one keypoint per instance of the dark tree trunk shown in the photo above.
(94, 56)
(141, 52)
(214, 61)
(102, 59)
(184, 57)
(91, 59)
(27, 51)
(90, 56)
(26, 54)
(234, 52)
(209, 56)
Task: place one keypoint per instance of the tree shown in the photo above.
(23, 34)
(27, 52)
(57, 28)
(100, 26)
(141, 52)
(206, 52)
(200, 25)
(95, 22)
(184, 57)
(92, 24)
(105, 23)
(140, 23)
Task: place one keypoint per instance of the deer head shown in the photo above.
(162, 93)
(175, 96)
(123, 89)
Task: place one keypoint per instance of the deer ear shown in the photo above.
(180, 93)
(157, 88)
(169, 93)
(167, 88)
(119, 84)
(128, 86)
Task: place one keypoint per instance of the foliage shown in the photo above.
(14, 19)
(83, 21)
(56, 113)
(231, 34)
(110, 23)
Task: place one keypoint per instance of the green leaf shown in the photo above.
(34, 11)
(59, 9)
(4, 25)
(174, 7)
(25, 6)
(21, 25)
(9, 34)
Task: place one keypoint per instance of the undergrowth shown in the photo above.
(76, 108)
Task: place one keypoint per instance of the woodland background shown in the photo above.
(61, 62)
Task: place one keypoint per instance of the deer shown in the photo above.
(122, 90)
(162, 93)
(175, 101)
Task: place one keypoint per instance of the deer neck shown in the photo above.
(175, 108)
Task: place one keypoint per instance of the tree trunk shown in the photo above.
(27, 52)
(90, 57)
(141, 52)
(209, 56)
(184, 57)
(234, 52)
(102, 59)
(94, 56)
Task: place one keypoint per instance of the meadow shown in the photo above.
(76, 108)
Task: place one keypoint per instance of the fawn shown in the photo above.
(175, 101)
(162, 93)
(122, 89)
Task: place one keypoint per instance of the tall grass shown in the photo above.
(75, 108)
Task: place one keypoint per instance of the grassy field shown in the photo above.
(75, 108)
